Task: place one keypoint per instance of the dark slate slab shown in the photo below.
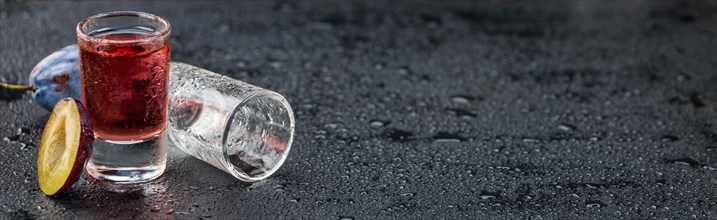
(511, 109)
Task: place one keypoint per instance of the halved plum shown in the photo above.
(65, 146)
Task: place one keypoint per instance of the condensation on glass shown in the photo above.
(242, 129)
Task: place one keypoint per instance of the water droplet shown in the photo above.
(685, 161)
(431, 21)
(670, 138)
(378, 123)
(530, 140)
(279, 188)
(242, 64)
(407, 194)
(489, 195)
(462, 99)
(11, 138)
(595, 204)
(21, 131)
(379, 66)
(566, 127)
(331, 125)
(346, 218)
(275, 64)
(224, 28)
(447, 137)
(404, 71)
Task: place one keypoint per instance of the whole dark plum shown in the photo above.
(57, 76)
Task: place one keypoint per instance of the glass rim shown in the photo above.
(231, 168)
(161, 32)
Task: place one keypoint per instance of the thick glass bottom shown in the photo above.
(128, 162)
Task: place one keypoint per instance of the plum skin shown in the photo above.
(85, 149)
(56, 77)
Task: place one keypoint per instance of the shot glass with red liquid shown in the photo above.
(124, 72)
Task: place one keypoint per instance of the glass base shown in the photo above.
(128, 162)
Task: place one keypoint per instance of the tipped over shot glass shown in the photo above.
(239, 128)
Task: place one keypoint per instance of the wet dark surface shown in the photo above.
(507, 109)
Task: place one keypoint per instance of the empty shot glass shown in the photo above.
(237, 127)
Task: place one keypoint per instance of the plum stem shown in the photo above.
(17, 87)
